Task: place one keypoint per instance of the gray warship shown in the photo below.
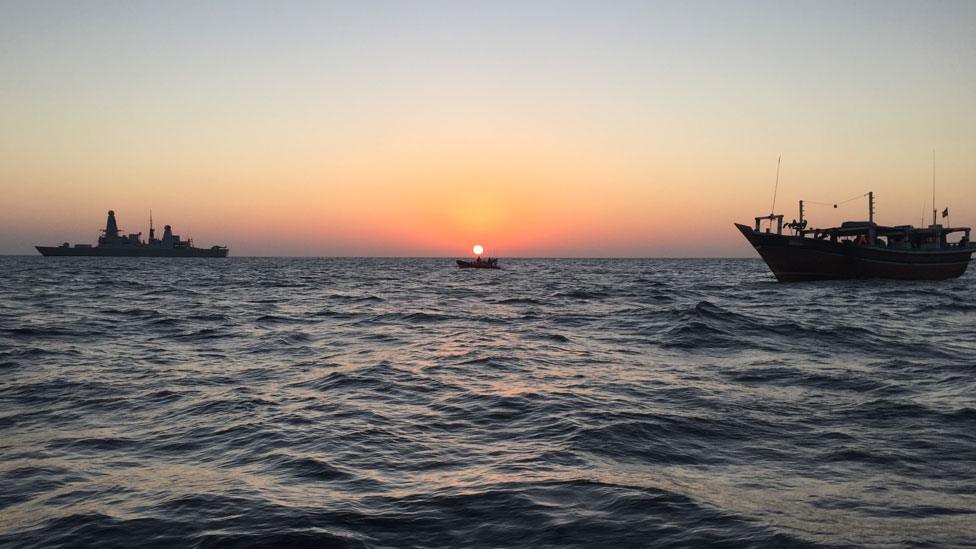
(114, 244)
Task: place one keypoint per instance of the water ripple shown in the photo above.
(402, 402)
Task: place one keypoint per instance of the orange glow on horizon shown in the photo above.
(532, 187)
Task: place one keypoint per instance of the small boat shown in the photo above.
(489, 263)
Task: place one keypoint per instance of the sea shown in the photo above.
(373, 403)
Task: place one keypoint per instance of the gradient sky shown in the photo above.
(533, 128)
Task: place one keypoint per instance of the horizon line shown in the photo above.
(407, 257)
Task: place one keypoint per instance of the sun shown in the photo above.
(478, 250)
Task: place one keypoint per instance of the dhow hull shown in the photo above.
(795, 259)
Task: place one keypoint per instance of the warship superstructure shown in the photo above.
(114, 243)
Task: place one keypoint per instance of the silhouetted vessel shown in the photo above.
(860, 249)
(489, 263)
(114, 244)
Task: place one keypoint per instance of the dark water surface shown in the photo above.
(397, 403)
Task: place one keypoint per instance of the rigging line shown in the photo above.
(850, 199)
(776, 188)
(835, 203)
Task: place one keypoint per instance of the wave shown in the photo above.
(395, 403)
(584, 295)
(368, 298)
(671, 439)
(45, 333)
(708, 326)
(303, 469)
(542, 514)
(204, 334)
(276, 319)
(520, 301)
(807, 379)
(945, 307)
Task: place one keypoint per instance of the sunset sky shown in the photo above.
(533, 128)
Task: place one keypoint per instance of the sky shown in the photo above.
(568, 129)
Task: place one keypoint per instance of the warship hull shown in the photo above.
(109, 251)
(113, 243)
(794, 259)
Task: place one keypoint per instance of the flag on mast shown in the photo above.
(945, 212)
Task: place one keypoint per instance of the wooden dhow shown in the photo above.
(860, 249)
